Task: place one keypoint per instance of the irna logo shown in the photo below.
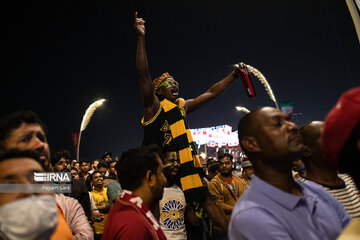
(52, 177)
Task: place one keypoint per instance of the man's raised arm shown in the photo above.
(214, 91)
(150, 101)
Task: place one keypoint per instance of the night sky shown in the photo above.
(60, 56)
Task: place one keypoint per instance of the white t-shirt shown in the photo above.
(172, 213)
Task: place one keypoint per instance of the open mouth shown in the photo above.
(175, 92)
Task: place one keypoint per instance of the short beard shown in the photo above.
(226, 174)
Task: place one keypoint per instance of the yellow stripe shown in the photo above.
(189, 136)
(153, 118)
(167, 105)
(191, 181)
(185, 155)
(177, 128)
(180, 102)
(197, 162)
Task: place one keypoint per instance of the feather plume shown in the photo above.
(263, 81)
(242, 109)
(85, 121)
(89, 112)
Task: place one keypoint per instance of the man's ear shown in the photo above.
(150, 178)
(307, 153)
(250, 144)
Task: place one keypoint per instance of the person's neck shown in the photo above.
(226, 175)
(84, 175)
(169, 182)
(324, 175)
(98, 188)
(282, 180)
(146, 198)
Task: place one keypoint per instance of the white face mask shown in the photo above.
(33, 217)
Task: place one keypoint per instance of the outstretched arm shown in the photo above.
(150, 101)
(214, 91)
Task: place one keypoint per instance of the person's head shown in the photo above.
(94, 164)
(209, 161)
(107, 157)
(24, 130)
(97, 179)
(341, 134)
(103, 168)
(171, 164)
(269, 138)
(203, 160)
(248, 169)
(112, 167)
(140, 169)
(61, 161)
(77, 166)
(84, 167)
(74, 173)
(73, 162)
(11, 173)
(225, 164)
(166, 87)
(310, 133)
(213, 169)
(37, 210)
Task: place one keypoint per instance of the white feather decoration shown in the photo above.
(263, 80)
(86, 119)
(89, 112)
(242, 109)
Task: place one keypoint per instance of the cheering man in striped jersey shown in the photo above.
(164, 120)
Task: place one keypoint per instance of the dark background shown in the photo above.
(60, 56)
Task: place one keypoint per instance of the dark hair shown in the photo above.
(210, 161)
(245, 126)
(213, 167)
(59, 155)
(13, 121)
(74, 162)
(350, 155)
(91, 176)
(134, 164)
(106, 153)
(221, 156)
(16, 153)
(83, 160)
(102, 164)
(75, 169)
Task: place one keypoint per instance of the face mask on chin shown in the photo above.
(33, 217)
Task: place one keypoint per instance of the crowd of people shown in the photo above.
(295, 183)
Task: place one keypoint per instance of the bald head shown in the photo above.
(310, 132)
(246, 125)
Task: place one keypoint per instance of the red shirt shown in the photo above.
(127, 222)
